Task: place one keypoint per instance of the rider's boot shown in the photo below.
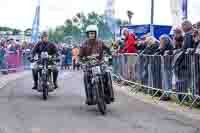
(112, 97)
(35, 78)
(55, 76)
(55, 85)
(88, 101)
(35, 86)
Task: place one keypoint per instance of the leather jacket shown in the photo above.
(90, 47)
(45, 47)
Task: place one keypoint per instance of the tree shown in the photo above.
(56, 35)
(13, 30)
(16, 31)
(76, 26)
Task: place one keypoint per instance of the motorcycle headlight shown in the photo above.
(96, 70)
(44, 71)
(40, 66)
(50, 67)
(44, 55)
(106, 59)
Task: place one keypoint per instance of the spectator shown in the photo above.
(2, 57)
(178, 38)
(121, 45)
(188, 39)
(150, 49)
(152, 45)
(196, 38)
(75, 54)
(141, 45)
(130, 42)
(68, 60)
(198, 25)
(181, 64)
(165, 45)
(115, 47)
(13, 48)
(63, 54)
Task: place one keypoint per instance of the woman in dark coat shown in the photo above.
(166, 50)
(145, 60)
(165, 45)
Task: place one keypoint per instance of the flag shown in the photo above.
(184, 9)
(178, 12)
(36, 24)
(110, 16)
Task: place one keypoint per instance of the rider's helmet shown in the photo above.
(44, 34)
(92, 28)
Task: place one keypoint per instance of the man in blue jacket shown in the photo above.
(188, 38)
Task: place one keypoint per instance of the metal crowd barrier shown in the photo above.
(13, 61)
(25, 62)
(156, 74)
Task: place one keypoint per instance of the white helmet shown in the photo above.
(91, 28)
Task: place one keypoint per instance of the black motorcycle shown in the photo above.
(94, 72)
(45, 66)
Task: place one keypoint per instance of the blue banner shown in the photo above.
(141, 30)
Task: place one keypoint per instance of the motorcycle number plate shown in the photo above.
(96, 69)
(33, 65)
(106, 59)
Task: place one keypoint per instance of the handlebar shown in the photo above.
(35, 60)
(94, 62)
(92, 57)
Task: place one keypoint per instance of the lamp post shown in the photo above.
(130, 16)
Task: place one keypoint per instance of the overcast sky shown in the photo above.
(20, 13)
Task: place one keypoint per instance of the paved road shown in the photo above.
(23, 111)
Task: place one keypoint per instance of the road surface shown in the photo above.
(23, 111)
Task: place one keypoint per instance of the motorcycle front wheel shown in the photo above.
(109, 88)
(45, 91)
(101, 103)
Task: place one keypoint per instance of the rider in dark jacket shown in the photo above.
(88, 48)
(44, 46)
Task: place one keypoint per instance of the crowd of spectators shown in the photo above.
(185, 39)
(68, 53)
(14, 48)
(69, 56)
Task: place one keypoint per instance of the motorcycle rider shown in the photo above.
(44, 46)
(94, 46)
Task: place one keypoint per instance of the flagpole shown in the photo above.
(152, 18)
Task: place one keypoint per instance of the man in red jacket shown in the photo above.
(130, 42)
